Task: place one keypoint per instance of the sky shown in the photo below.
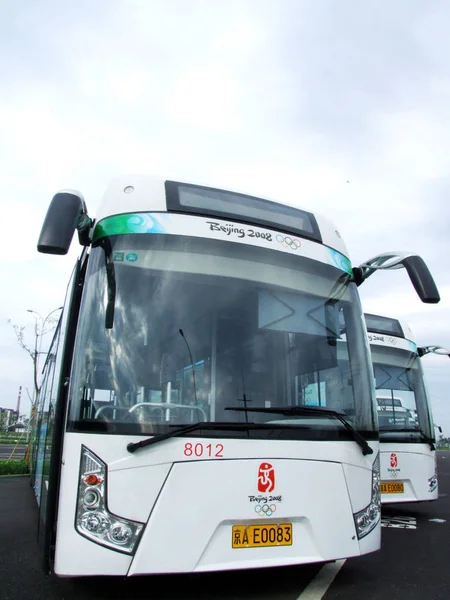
(338, 107)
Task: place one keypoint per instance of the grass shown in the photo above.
(11, 437)
(14, 467)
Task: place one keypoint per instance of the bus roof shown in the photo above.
(387, 401)
(388, 326)
(144, 193)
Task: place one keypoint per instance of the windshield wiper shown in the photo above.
(425, 438)
(225, 425)
(312, 410)
(111, 282)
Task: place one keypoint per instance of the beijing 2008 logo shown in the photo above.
(393, 460)
(288, 242)
(266, 478)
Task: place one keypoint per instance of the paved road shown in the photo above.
(413, 563)
(6, 449)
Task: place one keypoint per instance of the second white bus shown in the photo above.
(407, 433)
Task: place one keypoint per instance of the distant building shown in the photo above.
(8, 419)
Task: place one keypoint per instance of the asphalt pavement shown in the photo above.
(413, 563)
(7, 449)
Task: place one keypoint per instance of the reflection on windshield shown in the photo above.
(401, 396)
(201, 324)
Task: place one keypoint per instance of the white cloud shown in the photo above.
(206, 97)
(260, 97)
(404, 302)
(416, 145)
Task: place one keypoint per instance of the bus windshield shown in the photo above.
(201, 324)
(402, 401)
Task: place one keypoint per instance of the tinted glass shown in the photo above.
(201, 326)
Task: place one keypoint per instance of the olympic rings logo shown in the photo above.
(266, 510)
(288, 242)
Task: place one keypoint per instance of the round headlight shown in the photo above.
(95, 523)
(91, 499)
(120, 534)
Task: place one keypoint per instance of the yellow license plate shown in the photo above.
(393, 488)
(261, 536)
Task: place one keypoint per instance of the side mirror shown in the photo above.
(66, 213)
(421, 279)
(415, 266)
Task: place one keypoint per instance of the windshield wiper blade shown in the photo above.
(425, 438)
(313, 410)
(110, 281)
(227, 425)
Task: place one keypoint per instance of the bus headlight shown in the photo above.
(432, 483)
(91, 499)
(93, 519)
(367, 519)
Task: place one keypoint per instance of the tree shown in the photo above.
(32, 351)
(41, 328)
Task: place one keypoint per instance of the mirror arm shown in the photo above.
(423, 350)
(367, 268)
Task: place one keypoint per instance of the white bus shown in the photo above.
(407, 437)
(196, 413)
